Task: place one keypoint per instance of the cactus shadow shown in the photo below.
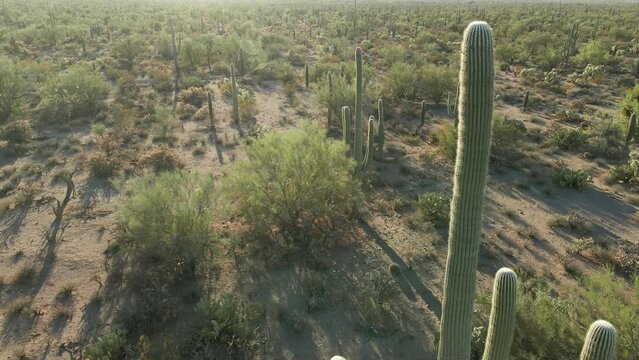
(408, 274)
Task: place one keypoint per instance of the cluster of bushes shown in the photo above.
(432, 82)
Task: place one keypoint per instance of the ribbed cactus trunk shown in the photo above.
(330, 99)
(347, 128)
(209, 99)
(306, 74)
(501, 327)
(600, 342)
(632, 128)
(476, 79)
(236, 105)
(370, 143)
(357, 144)
(448, 100)
(380, 129)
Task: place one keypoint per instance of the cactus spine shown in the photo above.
(370, 147)
(209, 99)
(502, 316)
(330, 99)
(380, 129)
(306, 74)
(600, 342)
(358, 110)
(526, 101)
(632, 127)
(347, 127)
(476, 79)
(236, 107)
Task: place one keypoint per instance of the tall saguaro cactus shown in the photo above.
(306, 74)
(236, 106)
(359, 89)
(330, 99)
(525, 106)
(370, 146)
(347, 127)
(209, 99)
(380, 129)
(632, 128)
(600, 342)
(476, 77)
(502, 316)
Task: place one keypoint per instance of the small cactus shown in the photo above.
(632, 128)
(600, 342)
(236, 106)
(525, 106)
(209, 99)
(422, 116)
(380, 129)
(347, 127)
(502, 316)
(306, 74)
(330, 99)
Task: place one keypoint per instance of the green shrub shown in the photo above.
(567, 177)
(128, 49)
(12, 87)
(446, 139)
(436, 81)
(296, 183)
(17, 132)
(595, 52)
(434, 207)
(109, 346)
(630, 103)
(625, 172)
(566, 138)
(401, 82)
(77, 92)
(506, 139)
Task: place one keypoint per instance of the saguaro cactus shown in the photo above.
(502, 316)
(422, 114)
(525, 106)
(476, 77)
(358, 110)
(236, 106)
(632, 127)
(306, 73)
(448, 105)
(380, 129)
(600, 342)
(209, 99)
(330, 99)
(347, 127)
(370, 146)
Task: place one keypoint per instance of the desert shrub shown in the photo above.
(436, 81)
(506, 139)
(127, 84)
(76, 92)
(165, 48)
(343, 95)
(605, 139)
(185, 111)
(567, 177)
(104, 166)
(162, 80)
(434, 207)
(128, 49)
(229, 321)
(163, 123)
(625, 172)
(446, 139)
(18, 132)
(12, 87)
(109, 346)
(165, 223)
(160, 158)
(630, 103)
(296, 183)
(573, 222)
(394, 54)
(566, 138)
(191, 54)
(595, 52)
(401, 82)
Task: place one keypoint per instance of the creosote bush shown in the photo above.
(77, 92)
(296, 186)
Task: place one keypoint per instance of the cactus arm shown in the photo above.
(502, 316)
(369, 143)
(380, 129)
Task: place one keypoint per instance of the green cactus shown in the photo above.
(358, 110)
(209, 99)
(236, 106)
(448, 105)
(600, 342)
(347, 127)
(380, 129)
(502, 316)
(370, 143)
(306, 74)
(525, 106)
(330, 99)
(422, 116)
(632, 128)
(474, 132)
